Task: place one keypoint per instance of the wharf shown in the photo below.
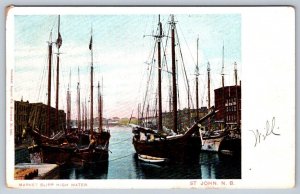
(44, 171)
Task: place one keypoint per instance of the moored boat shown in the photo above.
(225, 135)
(55, 149)
(151, 159)
(94, 146)
(158, 141)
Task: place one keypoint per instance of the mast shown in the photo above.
(223, 84)
(49, 84)
(170, 98)
(235, 73)
(208, 84)
(138, 117)
(100, 108)
(236, 96)
(92, 92)
(197, 92)
(222, 73)
(189, 106)
(85, 116)
(208, 93)
(147, 115)
(78, 103)
(174, 92)
(82, 117)
(58, 45)
(101, 98)
(68, 107)
(159, 76)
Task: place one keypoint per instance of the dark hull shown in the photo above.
(101, 138)
(73, 148)
(231, 144)
(57, 154)
(90, 157)
(89, 154)
(174, 149)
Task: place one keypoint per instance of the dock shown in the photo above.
(36, 171)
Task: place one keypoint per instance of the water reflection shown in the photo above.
(181, 170)
(124, 164)
(208, 164)
(220, 166)
(94, 171)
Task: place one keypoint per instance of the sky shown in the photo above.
(123, 46)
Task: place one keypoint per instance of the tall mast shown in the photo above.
(208, 84)
(78, 103)
(223, 84)
(138, 117)
(208, 93)
(197, 92)
(82, 117)
(222, 73)
(235, 73)
(170, 98)
(85, 117)
(69, 106)
(58, 45)
(236, 96)
(101, 97)
(49, 84)
(100, 109)
(174, 92)
(92, 92)
(189, 106)
(159, 37)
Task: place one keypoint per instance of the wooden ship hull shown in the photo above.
(171, 149)
(62, 153)
(54, 151)
(212, 143)
(231, 146)
(57, 154)
(96, 153)
(174, 148)
(85, 157)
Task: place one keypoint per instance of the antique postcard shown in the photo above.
(144, 97)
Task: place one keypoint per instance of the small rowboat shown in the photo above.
(151, 159)
(227, 152)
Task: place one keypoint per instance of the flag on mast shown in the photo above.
(91, 43)
(59, 40)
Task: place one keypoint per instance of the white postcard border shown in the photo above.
(275, 25)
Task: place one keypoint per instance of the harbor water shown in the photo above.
(123, 164)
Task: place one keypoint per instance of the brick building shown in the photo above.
(228, 104)
(21, 116)
(35, 114)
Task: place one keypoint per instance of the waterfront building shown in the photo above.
(228, 103)
(35, 114)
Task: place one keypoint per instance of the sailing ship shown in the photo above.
(209, 141)
(223, 138)
(150, 142)
(54, 149)
(211, 138)
(232, 142)
(94, 146)
(70, 146)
